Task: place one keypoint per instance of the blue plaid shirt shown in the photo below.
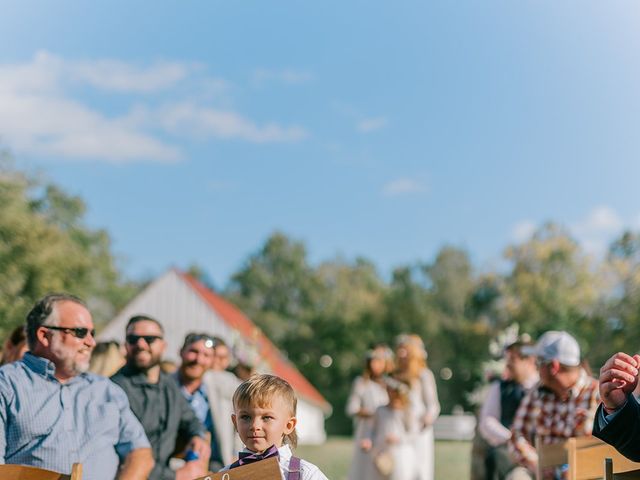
(48, 424)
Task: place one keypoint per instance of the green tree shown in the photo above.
(277, 288)
(622, 305)
(552, 284)
(45, 247)
(323, 318)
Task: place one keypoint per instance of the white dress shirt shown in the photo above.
(489, 424)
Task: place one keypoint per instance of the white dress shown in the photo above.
(398, 423)
(365, 395)
(423, 401)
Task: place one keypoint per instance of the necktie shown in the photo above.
(247, 457)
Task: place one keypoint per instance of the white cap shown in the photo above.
(557, 345)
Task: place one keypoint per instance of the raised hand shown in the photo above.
(618, 378)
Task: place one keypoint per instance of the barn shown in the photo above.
(183, 304)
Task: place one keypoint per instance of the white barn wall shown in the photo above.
(181, 310)
(177, 307)
(310, 425)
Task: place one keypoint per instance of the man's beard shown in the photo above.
(187, 373)
(66, 360)
(143, 366)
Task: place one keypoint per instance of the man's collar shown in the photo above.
(46, 368)
(139, 377)
(581, 383)
(39, 365)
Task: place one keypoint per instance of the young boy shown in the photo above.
(265, 418)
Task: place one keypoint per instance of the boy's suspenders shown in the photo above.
(294, 469)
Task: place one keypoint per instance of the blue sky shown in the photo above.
(382, 129)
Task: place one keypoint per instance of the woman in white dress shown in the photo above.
(392, 436)
(367, 394)
(423, 398)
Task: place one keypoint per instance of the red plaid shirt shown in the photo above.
(543, 413)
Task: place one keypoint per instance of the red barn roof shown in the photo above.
(279, 365)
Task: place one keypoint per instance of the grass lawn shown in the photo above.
(333, 458)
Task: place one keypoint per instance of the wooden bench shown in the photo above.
(24, 472)
(586, 456)
(550, 455)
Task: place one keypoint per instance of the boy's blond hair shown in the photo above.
(260, 390)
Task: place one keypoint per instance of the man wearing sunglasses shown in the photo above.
(158, 403)
(53, 413)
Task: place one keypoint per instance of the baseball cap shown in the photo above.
(556, 345)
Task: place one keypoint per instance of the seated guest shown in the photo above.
(157, 402)
(54, 414)
(196, 354)
(501, 403)
(563, 405)
(618, 418)
(15, 346)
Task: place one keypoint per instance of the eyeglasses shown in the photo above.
(133, 339)
(78, 332)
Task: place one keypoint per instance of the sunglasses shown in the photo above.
(133, 339)
(78, 332)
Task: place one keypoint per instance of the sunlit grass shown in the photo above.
(333, 458)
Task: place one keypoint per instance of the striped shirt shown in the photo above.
(48, 424)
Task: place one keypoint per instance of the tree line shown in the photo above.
(325, 316)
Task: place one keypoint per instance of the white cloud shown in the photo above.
(601, 219)
(40, 112)
(119, 76)
(368, 125)
(598, 229)
(522, 231)
(594, 232)
(403, 186)
(287, 76)
(46, 125)
(189, 119)
(49, 72)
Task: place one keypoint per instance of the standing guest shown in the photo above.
(391, 436)
(501, 403)
(220, 385)
(265, 418)
(15, 346)
(157, 402)
(562, 405)
(367, 394)
(196, 357)
(54, 414)
(411, 357)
